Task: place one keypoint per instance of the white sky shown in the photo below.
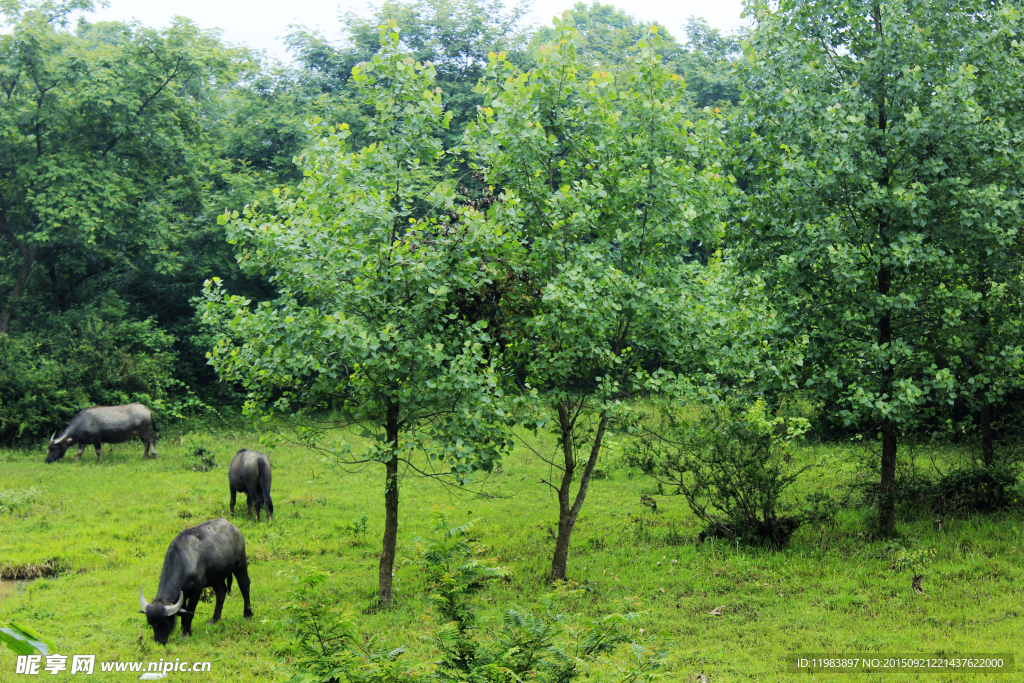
(264, 23)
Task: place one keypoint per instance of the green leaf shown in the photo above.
(23, 640)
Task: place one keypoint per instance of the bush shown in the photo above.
(965, 489)
(541, 645)
(326, 646)
(88, 356)
(358, 528)
(733, 465)
(975, 490)
(455, 568)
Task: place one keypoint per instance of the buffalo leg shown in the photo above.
(81, 449)
(220, 589)
(150, 444)
(254, 501)
(99, 450)
(190, 608)
(242, 576)
(233, 492)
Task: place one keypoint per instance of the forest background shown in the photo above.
(124, 143)
(836, 164)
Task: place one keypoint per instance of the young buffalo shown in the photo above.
(203, 556)
(250, 472)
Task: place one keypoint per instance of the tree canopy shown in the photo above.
(885, 140)
(604, 184)
(370, 255)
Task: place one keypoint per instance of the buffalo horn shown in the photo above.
(142, 600)
(51, 441)
(173, 609)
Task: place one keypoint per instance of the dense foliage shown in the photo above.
(369, 255)
(885, 147)
(539, 643)
(605, 185)
(109, 174)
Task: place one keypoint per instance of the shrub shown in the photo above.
(358, 528)
(733, 464)
(198, 456)
(548, 646)
(85, 357)
(541, 645)
(975, 490)
(455, 568)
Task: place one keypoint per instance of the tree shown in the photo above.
(597, 179)
(708, 62)
(369, 255)
(607, 35)
(453, 36)
(885, 139)
(96, 157)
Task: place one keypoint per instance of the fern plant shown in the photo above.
(456, 567)
(326, 646)
(549, 646)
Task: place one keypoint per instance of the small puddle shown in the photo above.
(10, 588)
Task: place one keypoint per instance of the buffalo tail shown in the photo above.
(265, 485)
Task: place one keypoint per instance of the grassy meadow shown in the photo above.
(107, 526)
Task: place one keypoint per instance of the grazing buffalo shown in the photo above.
(203, 556)
(105, 424)
(250, 472)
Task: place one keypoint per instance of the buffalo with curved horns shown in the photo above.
(204, 556)
(105, 424)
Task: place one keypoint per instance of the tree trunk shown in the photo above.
(988, 452)
(28, 257)
(567, 514)
(887, 489)
(59, 295)
(887, 497)
(890, 433)
(387, 555)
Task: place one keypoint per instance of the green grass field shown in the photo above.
(107, 528)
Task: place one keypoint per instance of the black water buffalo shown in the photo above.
(105, 424)
(250, 472)
(203, 556)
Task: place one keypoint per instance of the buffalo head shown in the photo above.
(56, 449)
(161, 616)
